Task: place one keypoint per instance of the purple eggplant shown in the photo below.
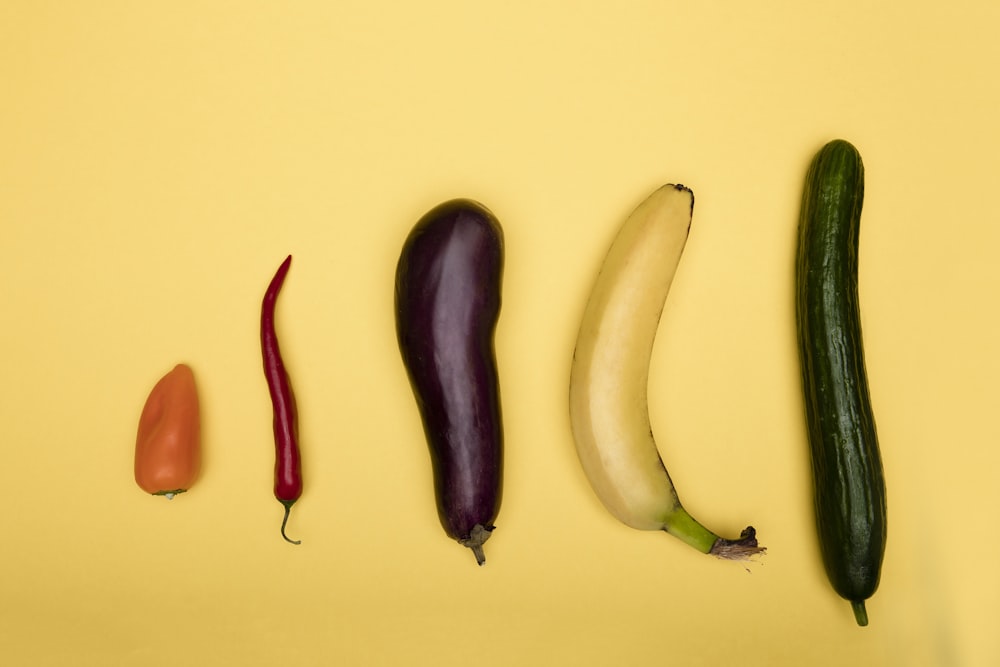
(447, 303)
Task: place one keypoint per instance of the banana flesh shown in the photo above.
(610, 372)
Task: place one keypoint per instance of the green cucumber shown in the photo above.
(849, 484)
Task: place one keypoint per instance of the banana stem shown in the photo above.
(682, 525)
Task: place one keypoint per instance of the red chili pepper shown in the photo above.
(288, 464)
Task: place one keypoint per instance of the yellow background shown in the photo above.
(158, 160)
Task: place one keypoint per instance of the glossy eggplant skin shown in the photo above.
(447, 301)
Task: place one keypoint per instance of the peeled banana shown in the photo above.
(610, 371)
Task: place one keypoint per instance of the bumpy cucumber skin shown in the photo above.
(849, 484)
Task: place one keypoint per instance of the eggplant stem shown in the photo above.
(480, 555)
(284, 522)
(477, 537)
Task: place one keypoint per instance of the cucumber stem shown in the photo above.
(860, 613)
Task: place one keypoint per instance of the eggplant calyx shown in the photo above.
(477, 537)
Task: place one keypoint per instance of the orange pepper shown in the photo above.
(168, 444)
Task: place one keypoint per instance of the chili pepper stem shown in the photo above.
(284, 521)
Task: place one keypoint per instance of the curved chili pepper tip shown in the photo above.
(284, 522)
